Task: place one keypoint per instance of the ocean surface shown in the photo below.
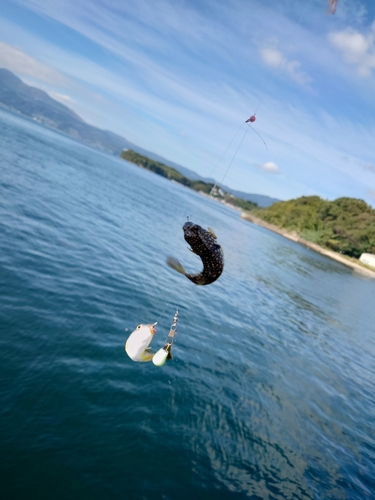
(270, 394)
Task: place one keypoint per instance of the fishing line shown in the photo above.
(172, 331)
(177, 304)
(235, 154)
(164, 352)
(261, 100)
(221, 157)
(161, 356)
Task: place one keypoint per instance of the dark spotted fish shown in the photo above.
(202, 243)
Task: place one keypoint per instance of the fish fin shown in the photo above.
(147, 355)
(175, 264)
(206, 241)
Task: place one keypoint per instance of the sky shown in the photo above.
(180, 78)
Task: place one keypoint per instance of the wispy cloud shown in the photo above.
(16, 60)
(178, 82)
(291, 68)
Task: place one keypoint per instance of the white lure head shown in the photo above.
(160, 357)
(138, 342)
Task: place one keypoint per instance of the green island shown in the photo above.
(345, 225)
(174, 175)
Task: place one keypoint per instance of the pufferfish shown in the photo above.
(203, 243)
(137, 345)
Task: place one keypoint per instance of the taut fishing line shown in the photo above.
(230, 163)
(229, 145)
(139, 351)
(260, 102)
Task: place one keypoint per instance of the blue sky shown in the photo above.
(179, 78)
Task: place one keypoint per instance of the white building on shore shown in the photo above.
(368, 259)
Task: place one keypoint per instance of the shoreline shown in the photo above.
(293, 236)
(309, 244)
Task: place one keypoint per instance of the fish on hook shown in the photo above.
(203, 243)
(137, 345)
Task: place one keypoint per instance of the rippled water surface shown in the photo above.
(270, 394)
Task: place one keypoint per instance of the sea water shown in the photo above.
(270, 394)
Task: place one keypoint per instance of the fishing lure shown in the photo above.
(137, 345)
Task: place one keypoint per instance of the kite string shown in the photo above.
(221, 157)
(230, 163)
(261, 100)
(243, 137)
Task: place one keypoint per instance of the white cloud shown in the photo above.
(65, 99)
(269, 167)
(17, 61)
(357, 48)
(292, 69)
(164, 83)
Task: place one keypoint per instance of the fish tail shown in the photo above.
(198, 279)
(175, 264)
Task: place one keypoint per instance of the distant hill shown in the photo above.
(37, 104)
(345, 225)
(260, 199)
(30, 100)
(174, 175)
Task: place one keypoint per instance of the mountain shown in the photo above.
(30, 100)
(37, 104)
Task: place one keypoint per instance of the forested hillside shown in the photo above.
(346, 225)
(175, 175)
